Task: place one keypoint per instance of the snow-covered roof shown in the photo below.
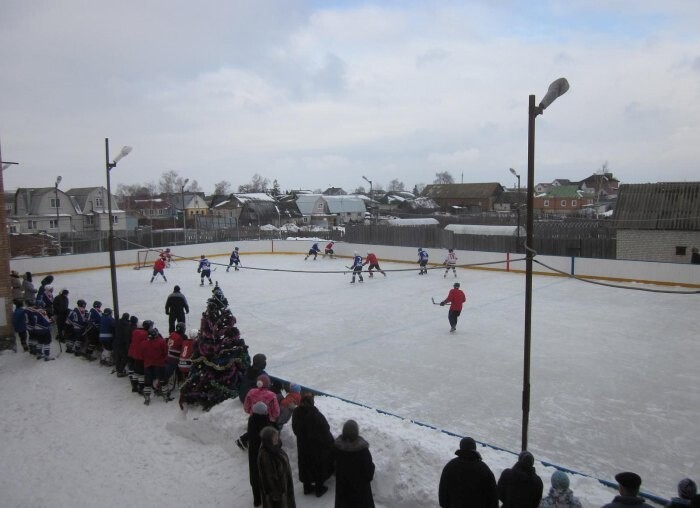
(412, 222)
(345, 204)
(254, 196)
(469, 229)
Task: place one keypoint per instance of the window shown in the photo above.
(319, 207)
(32, 224)
(90, 220)
(114, 219)
(99, 202)
(563, 203)
(546, 203)
(160, 211)
(12, 229)
(680, 250)
(55, 203)
(53, 224)
(573, 203)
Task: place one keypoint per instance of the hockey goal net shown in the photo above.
(146, 258)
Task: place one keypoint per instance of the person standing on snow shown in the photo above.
(158, 269)
(176, 307)
(450, 262)
(466, 480)
(456, 299)
(204, 269)
(356, 267)
(234, 260)
(422, 261)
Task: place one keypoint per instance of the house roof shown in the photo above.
(462, 190)
(305, 203)
(345, 204)
(662, 206)
(413, 222)
(564, 191)
(30, 198)
(471, 229)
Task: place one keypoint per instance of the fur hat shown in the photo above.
(687, 489)
(263, 381)
(628, 480)
(467, 443)
(559, 480)
(351, 431)
(260, 408)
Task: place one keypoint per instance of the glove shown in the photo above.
(199, 271)
(442, 304)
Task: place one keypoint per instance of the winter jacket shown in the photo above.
(185, 363)
(467, 482)
(61, 306)
(276, 484)
(154, 351)
(256, 423)
(560, 499)
(456, 299)
(266, 396)
(16, 285)
(19, 319)
(176, 305)
(627, 502)
(314, 444)
(520, 487)
(354, 470)
(138, 336)
(122, 335)
(29, 291)
(249, 379)
(175, 347)
(106, 327)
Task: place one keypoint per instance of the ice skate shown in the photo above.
(147, 399)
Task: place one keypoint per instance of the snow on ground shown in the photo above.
(613, 386)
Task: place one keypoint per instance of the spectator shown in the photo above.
(695, 256)
(257, 421)
(467, 481)
(16, 285)
(61, 308)
(276, 484)
(28, 288)
(288, 404)
(314, 446)
(560, 495)
(121, 341)
(106, 337)
(628, 485)
(19, 323)
(354, 469)
(519, 486)
(687, 490)
(176, 307)
(251, 375)
(263, 393)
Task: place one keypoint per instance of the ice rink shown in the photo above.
(615, 384)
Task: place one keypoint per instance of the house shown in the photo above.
(394, 200)
(46, 209)
(320, 210)
(658, 221)
(247, 209)
(346, 208)
(192, 203)
(562, 200)
(475, 197)
(92, 204)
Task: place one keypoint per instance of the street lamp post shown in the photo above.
(556, 89)
(112, 264)
(58, 227)
(184, 214)
(370, 197)
(517, 175)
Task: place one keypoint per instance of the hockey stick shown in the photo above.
(434, 302)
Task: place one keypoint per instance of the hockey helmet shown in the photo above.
(39, 304)
(420, 249)
(193, 333)
(107, 312)
(97, 304)
(147, 324)
(355, 253)
(81, 303)
(202, 256)
(167, 250)
(236, 248)
(153, 332)
(181, 328)
(456, 284)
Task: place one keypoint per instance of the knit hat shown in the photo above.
(350, 430)
(526, 459)
(687, 488)
(456, 284)
(628, 480)
(134, 320)
(559, 480)
(263, 381)
(259, 361)
(295, 388)
(176, 289)
(260, 408)
(467, 443)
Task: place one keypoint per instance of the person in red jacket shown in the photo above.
(175, 349)
(135, 356)
(188, 345)
(328, 251)
(456, 299)
(158, 268)
(373, 262)
(155, 353)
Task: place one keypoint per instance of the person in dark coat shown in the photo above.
(61, 308)
(354, 469)
(257, 421)
(314, 445)
(121, 342)
(28, 288)
(46, 281)
(519, 486)
(628, 485)
(176, 307)
(687, 490)
(249, 381)
(276, 484)
(466, 481)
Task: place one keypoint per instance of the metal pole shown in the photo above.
(58, 227)
(184, 217)
(112, 262)
(533, 111)
(517, 249)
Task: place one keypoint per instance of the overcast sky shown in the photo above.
(317, 94)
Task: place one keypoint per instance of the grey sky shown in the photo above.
(316, 94)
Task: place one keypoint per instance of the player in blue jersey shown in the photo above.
(356, 267)
(313, 251)
(235, 260)
(422, 261)
(204, 269)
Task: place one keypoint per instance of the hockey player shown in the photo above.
(373, 262)
(204, 269)
(450, 262)
(422, 261)
(313, 251)
(166, 256)
(235, 260)
(40, 327)
(456, 299)
(77, 323)
(155, 352)
(188, 345)
(138, 337)
(106, 336)
(92, 332)
(158, 268)
(356, 267)
(175, 340)
(328, 251)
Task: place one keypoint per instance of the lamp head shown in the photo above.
(185, 182)
(124, 152)
(558, 88)
(515, 173)
(58, 180)
(367, 179)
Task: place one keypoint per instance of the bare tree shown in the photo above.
(222, 188)
(171, 183)
(257, 184)
(359, 190)
(418, 188)
(396, 185)
(194, 186)
(443, 177)
(276, 188)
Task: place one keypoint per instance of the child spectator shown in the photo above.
(687, 490)
(560, 495)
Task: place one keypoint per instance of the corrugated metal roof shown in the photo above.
(663, 206)
(462, 190)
